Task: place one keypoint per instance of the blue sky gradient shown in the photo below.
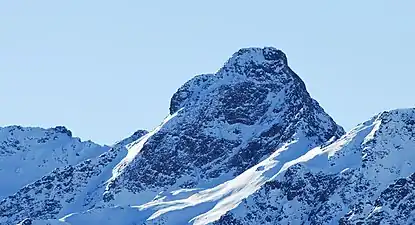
(107, 68)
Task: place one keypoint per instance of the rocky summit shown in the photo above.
(246, 145)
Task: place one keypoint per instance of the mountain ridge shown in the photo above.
(29, 152)
(245, 145)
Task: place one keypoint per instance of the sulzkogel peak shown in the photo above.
(252, 57)
(248, 64)
(221, 125)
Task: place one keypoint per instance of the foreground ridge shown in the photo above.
(366, 176)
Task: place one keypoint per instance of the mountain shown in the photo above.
(246, 145)
(26, 154)
(365, 177)
(222, 124)
(66, 188)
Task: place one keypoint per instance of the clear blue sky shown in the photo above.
(107, 68)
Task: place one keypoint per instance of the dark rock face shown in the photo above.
(395, 205)
(244, 94)
(63, 130)
(226, 123)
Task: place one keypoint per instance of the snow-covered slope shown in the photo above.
(65, 189)
(365, 177)
(26, 154)
(359, 179)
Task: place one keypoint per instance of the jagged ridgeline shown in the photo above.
(246, 145)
